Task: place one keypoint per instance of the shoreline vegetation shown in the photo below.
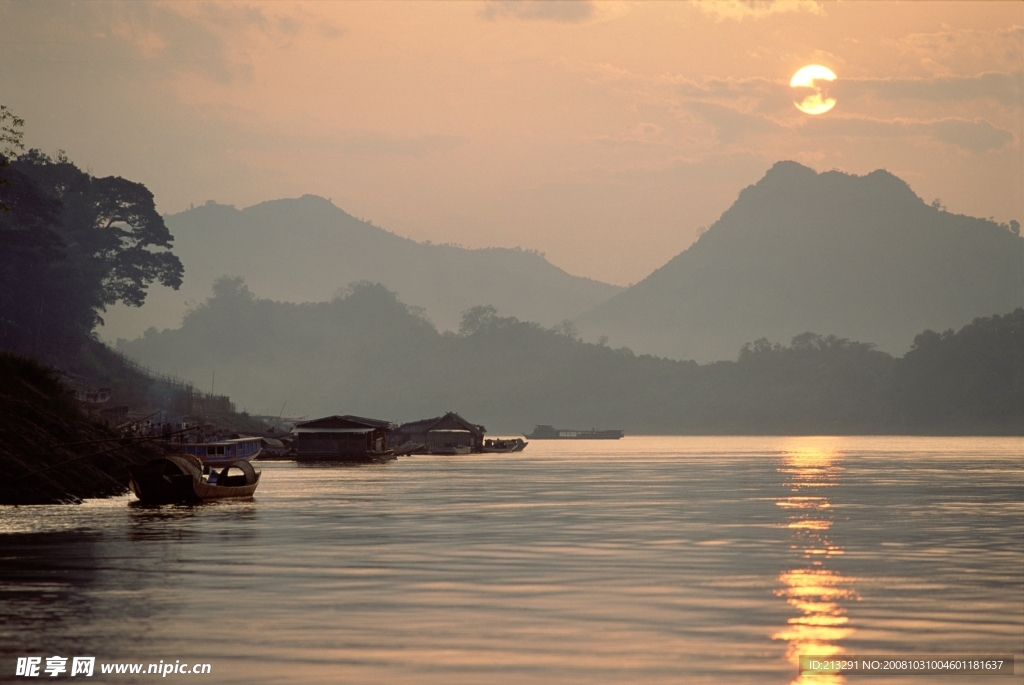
(51, 452)
(369, 354)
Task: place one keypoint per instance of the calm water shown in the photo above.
(645, 560)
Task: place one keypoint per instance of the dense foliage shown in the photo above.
(368, 353)
(71, 245)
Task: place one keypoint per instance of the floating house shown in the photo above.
(342, 438)
(448, 434)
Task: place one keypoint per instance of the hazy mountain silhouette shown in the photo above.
(860, 257)
(306, 249)
(368, 354)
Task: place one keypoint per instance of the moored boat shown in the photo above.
(409, 447)
(501, 445)
(181, 478)
(224, 452)
(547, 432)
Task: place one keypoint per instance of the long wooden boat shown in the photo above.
(546, 432)
(224, 452)
(503, 445)
(183, 478)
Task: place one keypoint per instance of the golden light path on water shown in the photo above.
(657, 560)
(812, 466)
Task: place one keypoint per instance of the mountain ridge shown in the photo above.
(861, 257)
(307, 249)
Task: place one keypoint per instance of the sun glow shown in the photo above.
(807, 78)
(818, 594)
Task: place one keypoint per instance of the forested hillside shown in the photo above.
(367, 353)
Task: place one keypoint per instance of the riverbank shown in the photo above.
(50, 450)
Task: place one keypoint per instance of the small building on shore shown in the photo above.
(448, 434)
(342, 438)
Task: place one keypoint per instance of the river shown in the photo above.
(644, 560)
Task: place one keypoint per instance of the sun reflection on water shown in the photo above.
(815, 591)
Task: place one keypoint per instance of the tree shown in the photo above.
(10, 143)
(74, 244)
(476, 319)
(114, 225)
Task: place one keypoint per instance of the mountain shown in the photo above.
(860, 257)
(306, 249)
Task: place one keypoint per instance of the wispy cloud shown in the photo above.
(568, 11)
(1004, 87)
(965, 50)
(970, 135)
(767, 95)
(741, 110)
(739, 10)
(149, 40)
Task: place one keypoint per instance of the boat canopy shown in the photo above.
(246, 468)
(189, 464)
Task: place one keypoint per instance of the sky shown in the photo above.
(607, 135)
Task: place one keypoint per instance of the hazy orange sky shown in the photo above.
(604, 134)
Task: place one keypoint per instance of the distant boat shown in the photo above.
(546, 432)
(500, 445)
(224, 452)
(182, 478)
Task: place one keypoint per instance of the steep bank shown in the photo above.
(50, 452)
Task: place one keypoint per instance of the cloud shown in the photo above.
(739, 10)
(566, 11)
(147, 41)
(970, 135)
(966, 50)
(975, 135)
(751, 95)
(733, 126)
(726, 87)
(733, 114)
(1004, 87)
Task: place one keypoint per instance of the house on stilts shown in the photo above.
(448, 434)
(343, 438)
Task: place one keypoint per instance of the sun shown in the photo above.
(807, 77)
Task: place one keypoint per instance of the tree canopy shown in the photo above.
(72, 245)
(367, 353)
(11, 133)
